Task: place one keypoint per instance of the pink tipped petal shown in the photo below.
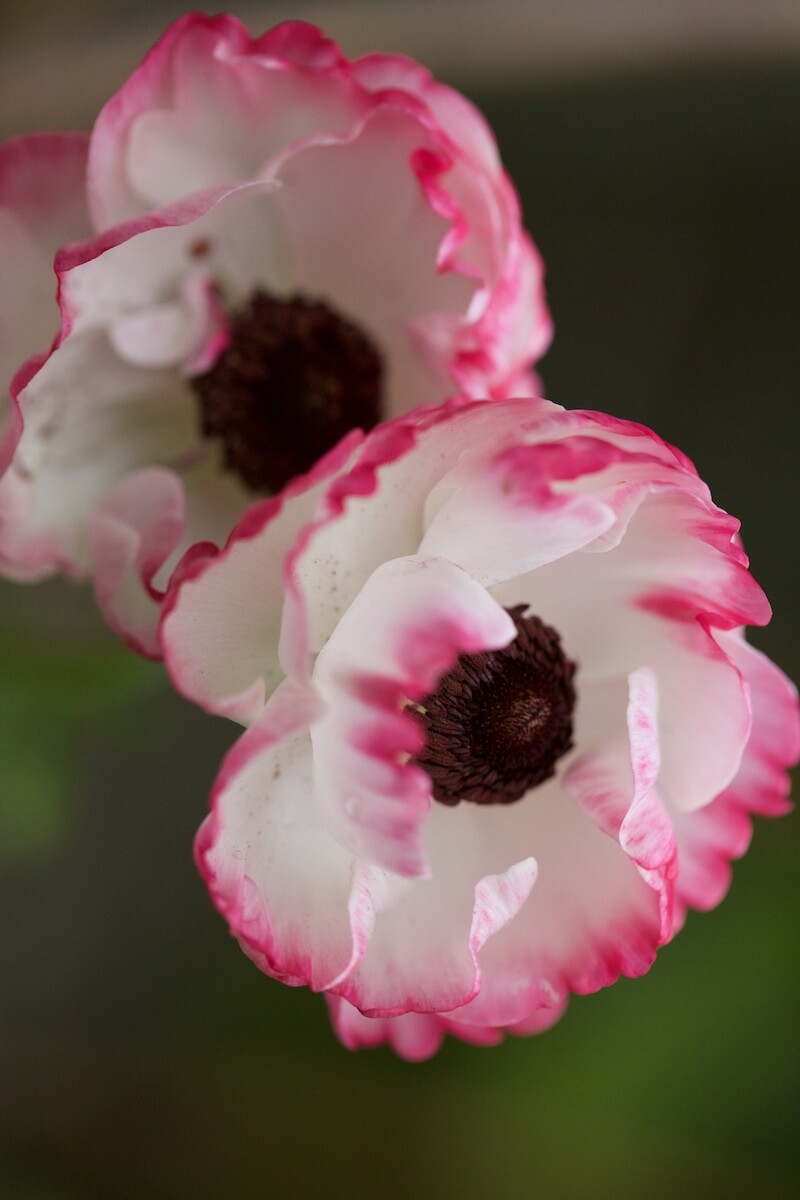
(385, 277)
(589, 919)
(499, 337)
(515, 343)
(112, 197)
(132, 532)
(709, 719)
(498, 898)
(360, 524)
(220, 630)
(408, 625)
(300, 44)
(712, 837)
(416, 1037)
(280, 881)
(209, 105)
(74, 450)
(413, 1036)
(621, 797)
(459, 119)
(415, 963)
(511, 519)
(221, 623)
(484, 235)
(539, 1020)
(138, 532)
(372, 891)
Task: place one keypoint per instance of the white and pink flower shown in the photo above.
(503, 725)
(287, 245)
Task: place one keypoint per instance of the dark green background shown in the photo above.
(145, 1057)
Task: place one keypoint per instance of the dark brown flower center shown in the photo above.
(499, 721)
(294, 379)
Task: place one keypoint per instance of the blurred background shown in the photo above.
(655, 146)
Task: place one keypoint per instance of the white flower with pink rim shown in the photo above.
(287, 245)
(504, 729)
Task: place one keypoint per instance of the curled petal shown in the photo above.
(409, 963)
(225, 654)
(192, 116)
(416, 1037)
(710, 838)
(407, 627)
(413, 1036)
(280, 881)
(133, 531)
(511, 519)
(621, 797)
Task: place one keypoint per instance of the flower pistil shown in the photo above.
(294, 378)
(500, 720)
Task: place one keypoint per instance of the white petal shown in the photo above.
(280, 879)
(89, 420)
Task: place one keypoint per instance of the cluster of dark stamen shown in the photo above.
(499, 721)
(293, 380)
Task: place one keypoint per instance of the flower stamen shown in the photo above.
(293, 380)
(499, 721)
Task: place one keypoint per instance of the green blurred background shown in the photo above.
(143, 1057)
